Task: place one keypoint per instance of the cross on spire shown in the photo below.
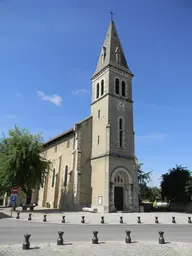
(112, 14)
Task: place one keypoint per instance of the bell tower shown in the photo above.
(114, 175)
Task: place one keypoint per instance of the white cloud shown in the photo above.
(11, 116)
(153, 136)
(77, 92)
(55, 99)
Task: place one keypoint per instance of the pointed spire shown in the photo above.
(112, 51)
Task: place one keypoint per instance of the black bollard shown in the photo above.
(102, 220)
(189, 220)
(173, 220)
(83, 219)
(139, 220)
(18, 213)
(44, 218)
(95, 238)
(121, 220)
(60, 238)
(26, 244)
(161, 238)
(30, 216)
(63, 219)
(156, 220)
(128, 237)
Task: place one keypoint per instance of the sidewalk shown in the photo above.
(110, 218)
(103, 249)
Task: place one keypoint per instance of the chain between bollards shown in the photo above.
(95, 239)
(26, 244)
(60, 240)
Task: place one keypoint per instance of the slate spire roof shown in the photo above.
(112, 51)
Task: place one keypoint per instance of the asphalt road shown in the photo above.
(12, 231)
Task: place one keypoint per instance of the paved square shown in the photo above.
(105, 249)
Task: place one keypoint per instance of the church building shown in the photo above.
(94, 163)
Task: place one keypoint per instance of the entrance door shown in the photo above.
(118, 198)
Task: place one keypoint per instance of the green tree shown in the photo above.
(173, 184)
(22, 163)
(188, 188)
(143, 179)
(154, 193)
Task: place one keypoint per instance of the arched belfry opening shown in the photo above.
(121, 190)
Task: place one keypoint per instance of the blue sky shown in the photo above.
(49, 50)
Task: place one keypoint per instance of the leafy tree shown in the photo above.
(143, 179)
(188, 188)
(154, 193)
(173, 184)
(22, 163)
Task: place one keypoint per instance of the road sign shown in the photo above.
(14, 190)
(13, 199)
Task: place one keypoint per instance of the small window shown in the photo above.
(53, 178)
(120, 139)
(97, 91)
(103, 55)
(120, 123)
(99, 114)
(102, 87)
(65, 176)
(120, 132)
(123, 91)
(98, 138)
(118, 54)
(55, 149)
(117, 86)
(68, 144)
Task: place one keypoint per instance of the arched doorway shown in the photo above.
(119, 192)
(121, 195)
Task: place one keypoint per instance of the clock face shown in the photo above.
(120, 105)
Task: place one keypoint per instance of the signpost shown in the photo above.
(14, 191)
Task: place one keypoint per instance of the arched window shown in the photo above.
(65, 176)
(97, 91)
(119, 179)
(53, 178)
(117, 86)
(102, 87)
(123, 89)
(120, 131)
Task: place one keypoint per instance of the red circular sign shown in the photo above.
(14, 190)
